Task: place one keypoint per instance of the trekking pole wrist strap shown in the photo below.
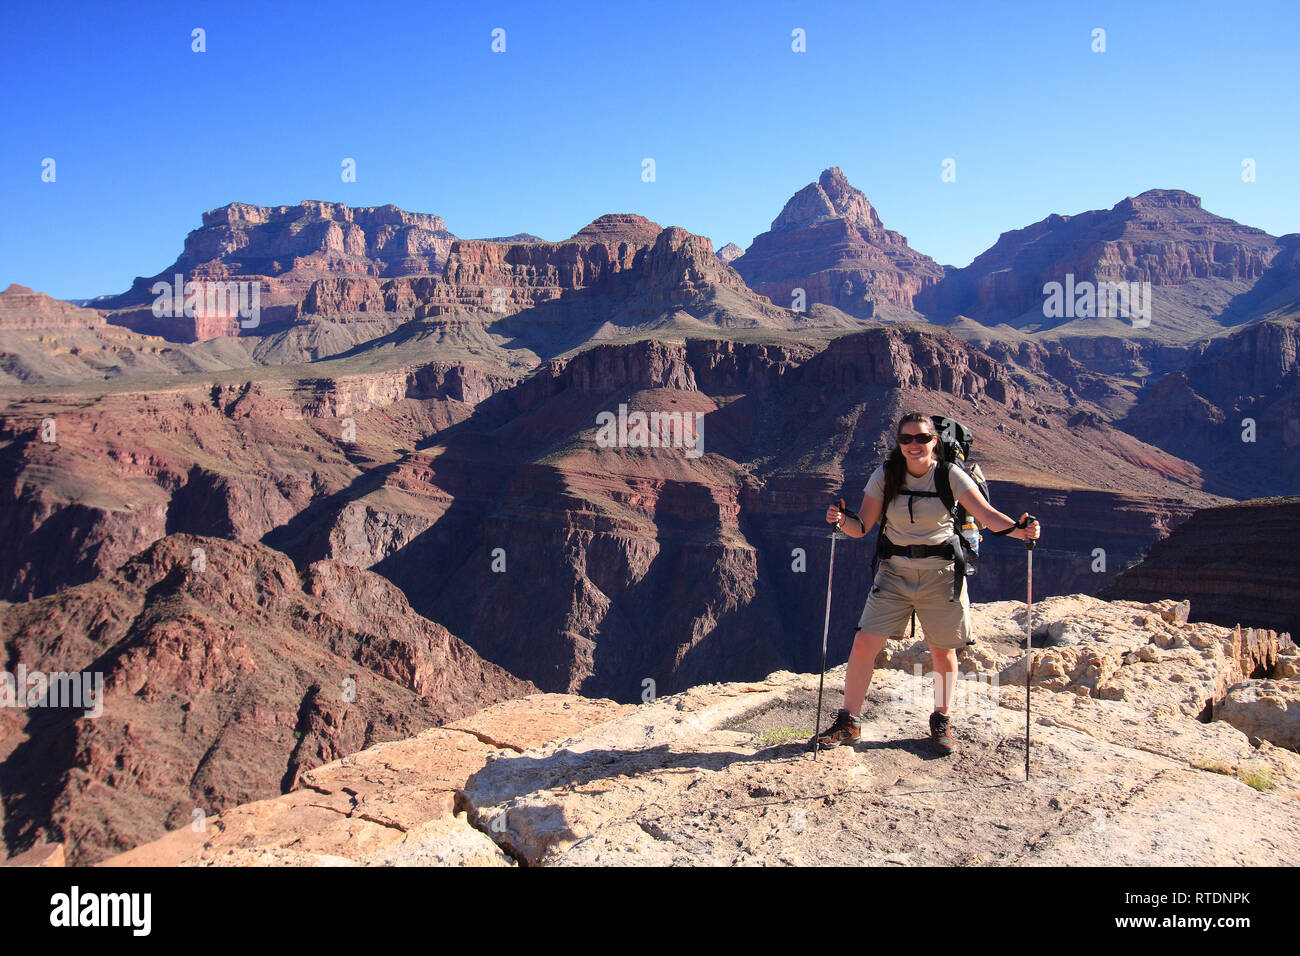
(1018, 524)
(850, 513)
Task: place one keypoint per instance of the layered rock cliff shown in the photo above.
(1234, 410)
(701, 552)
(1161, 236)
(224, 674)
(286, 249)
(21, 309)
(1235, 562)
(508, 278)
(447, 463)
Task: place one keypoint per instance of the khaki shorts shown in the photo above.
(901, 587)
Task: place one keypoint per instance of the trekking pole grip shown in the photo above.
(1029, 542)
(847, 512)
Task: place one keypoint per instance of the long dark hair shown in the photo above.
(896, 464)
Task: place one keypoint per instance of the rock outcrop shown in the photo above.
(1125, 770)
(1233, 410)
(1161, 236)
(830, 242)
(730, 253)
(1236, 563)
(220, 675)
(21, 309)
(389, 805)
(286, 249)
(1265, 710)
(623, 256)
(90, 484)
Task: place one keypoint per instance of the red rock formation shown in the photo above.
(624, 227)
(730, 253)
(1201, 414)
(320, 236)
(22, 309)
(829, 241)
(348, 296)
(1256, 360)
(626, 564)
(287, 249)
(225, 675)
(235, 461)
(633, 263)
(1162, 236)
(527, 274)
(1235, 563)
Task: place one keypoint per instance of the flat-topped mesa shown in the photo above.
(315, 236)
(238, 213)
(830, 242)
(1164, 198)
(285, 249)
(1161, 236)
(22, 309)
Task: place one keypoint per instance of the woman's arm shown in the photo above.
(993, 519)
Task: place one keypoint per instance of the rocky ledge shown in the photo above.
(1151, 744)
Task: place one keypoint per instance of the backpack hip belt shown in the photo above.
(952, 548)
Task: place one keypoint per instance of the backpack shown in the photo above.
(955, 441)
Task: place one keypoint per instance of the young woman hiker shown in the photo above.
(922, 584)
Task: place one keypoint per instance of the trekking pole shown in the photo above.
(826, 628)
(1029, 636)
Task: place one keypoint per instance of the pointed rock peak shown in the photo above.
(730, 253)
(831, 197)
(16, 289)
(834, 182)
(619, 227)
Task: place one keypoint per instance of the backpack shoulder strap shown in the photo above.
(943, 484)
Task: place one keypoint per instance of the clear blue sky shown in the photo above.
(545, 137)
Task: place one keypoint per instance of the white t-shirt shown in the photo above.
(929, 522)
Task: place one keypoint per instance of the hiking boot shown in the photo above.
(943, 740)
(845, 730)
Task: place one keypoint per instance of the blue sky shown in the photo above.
(147, 134)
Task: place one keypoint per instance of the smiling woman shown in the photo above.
(923, 571)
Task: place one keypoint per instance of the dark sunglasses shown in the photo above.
(908, 439)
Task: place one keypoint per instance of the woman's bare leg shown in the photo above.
(945, 677)
(862, 664)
